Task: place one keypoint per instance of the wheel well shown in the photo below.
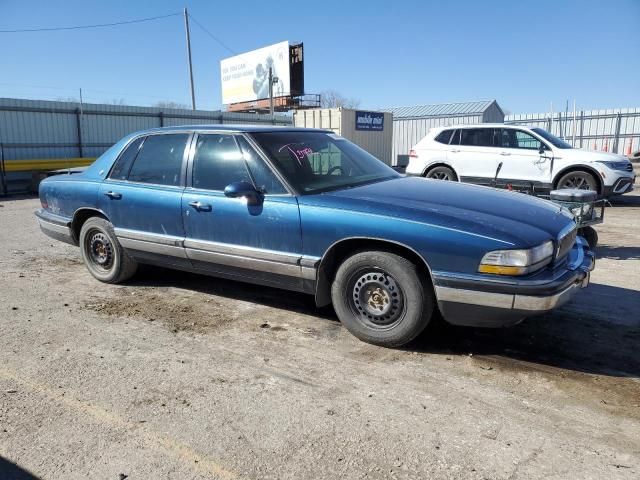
(81, 216)
(440, 164)
(585, 169)
(340, 251)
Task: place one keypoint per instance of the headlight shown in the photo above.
(517, 262)
(622, 165)
(585, 211)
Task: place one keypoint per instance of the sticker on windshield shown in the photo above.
(299, 150)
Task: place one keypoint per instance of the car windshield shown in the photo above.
(315, 162)
(552, 139)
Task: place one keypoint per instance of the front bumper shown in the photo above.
(470, 301)
(620, 185)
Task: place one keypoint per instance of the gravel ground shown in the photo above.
(179, 376)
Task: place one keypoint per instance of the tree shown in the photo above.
(333, 99)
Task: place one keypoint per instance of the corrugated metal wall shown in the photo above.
(33, 130)
(614, 130)
(343, 122)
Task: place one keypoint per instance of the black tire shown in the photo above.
(590, 235)
(578, 179)
(382, 298)
(442, 173)
(102, 254)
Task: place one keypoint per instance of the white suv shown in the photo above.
(529, 158)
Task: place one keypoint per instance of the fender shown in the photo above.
(580, 166)
(328, 263)
(439, 163)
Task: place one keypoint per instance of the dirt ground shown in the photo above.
(179, 376)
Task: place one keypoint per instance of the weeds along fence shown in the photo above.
(613, 130)
(37, 136)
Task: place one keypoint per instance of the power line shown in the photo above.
(80, 27)
(220, 42)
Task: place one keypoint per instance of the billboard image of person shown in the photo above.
(245, 77)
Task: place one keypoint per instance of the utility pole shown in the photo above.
(271, 91)
(186, 27)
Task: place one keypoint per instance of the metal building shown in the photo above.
(38, 135)
(377, 140)
(411, 124)
(615, 130)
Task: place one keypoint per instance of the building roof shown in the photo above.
(441, 110)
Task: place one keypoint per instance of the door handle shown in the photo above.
(454, 150)
(114, 195)
(505, 154)
(201, 207)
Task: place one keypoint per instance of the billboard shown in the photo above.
(245, 77)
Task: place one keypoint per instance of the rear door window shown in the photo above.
(477, 137)
(159, 160)
(120, 170)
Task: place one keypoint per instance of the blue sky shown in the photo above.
(385, 53)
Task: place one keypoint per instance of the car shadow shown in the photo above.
(598, 332)
(617, 253)
(628, 200)
(11, 471)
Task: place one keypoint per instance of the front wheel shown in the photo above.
(382, 298)
(103, 255)
(578, 179)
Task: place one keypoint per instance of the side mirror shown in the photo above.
(244, 189)
(542, 149)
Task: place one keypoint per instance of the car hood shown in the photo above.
(516, 218)
(590, 155)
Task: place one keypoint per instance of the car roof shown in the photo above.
(234, 128)
(479, 125)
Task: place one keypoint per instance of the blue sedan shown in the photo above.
(307, 210)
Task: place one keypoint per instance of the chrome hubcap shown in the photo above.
(377, 298)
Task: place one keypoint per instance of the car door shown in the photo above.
(473, 156)
(230, 236)
(522, 162)
(143, 193)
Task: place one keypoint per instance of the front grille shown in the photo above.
(565, 242)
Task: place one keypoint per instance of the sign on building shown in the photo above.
(369, 121)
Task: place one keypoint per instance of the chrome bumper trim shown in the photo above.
(54, 227)
(509, 301)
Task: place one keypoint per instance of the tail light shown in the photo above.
(413, 154)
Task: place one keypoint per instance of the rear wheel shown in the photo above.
(381, 298)
(578, 179)
(442, 173)
(103, 255)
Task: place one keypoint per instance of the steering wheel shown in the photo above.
(333, 169)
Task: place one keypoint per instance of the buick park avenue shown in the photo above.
(306, 210)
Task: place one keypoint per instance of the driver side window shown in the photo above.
(511, 138)
(218, 162)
